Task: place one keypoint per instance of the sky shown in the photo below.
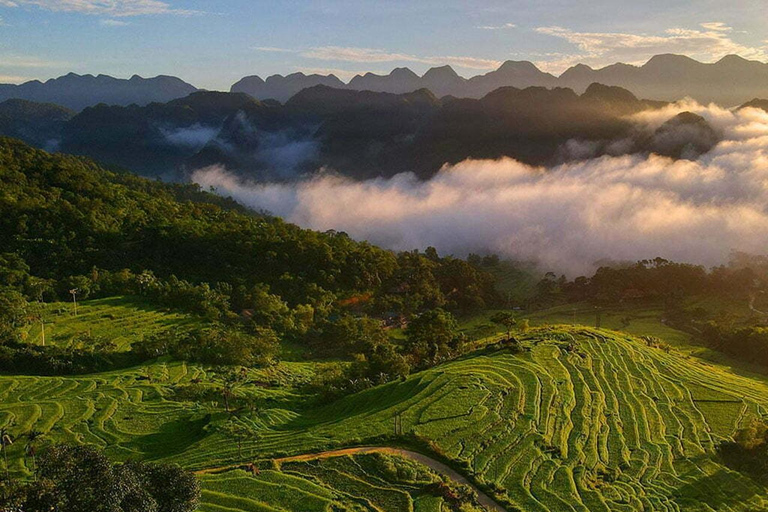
(212, 44)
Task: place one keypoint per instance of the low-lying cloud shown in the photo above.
(567, 217)
(194, 137)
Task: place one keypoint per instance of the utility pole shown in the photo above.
(74, 291)
(42, 329)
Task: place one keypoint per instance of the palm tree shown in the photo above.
(33, 436)
(5, 442)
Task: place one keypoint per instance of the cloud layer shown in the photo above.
(566, 218)
(116, 8)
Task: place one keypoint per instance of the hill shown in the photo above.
(360, 134)
(39, 124)
(76, 92)
(730, 81)
(580, 420)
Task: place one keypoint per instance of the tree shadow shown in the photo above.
(172, 437)
(368, 402)
(719, 489)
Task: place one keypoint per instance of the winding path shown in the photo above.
(437, 466)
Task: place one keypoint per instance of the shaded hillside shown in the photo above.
(39, 124)
(156, 138)
(364, 134)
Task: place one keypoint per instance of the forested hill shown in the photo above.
(63, 216)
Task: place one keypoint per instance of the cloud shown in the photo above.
(711, 42)
(13, 79)
(567, 217)
(24, 61)
(373, 55)
(194, 137)
(113, 23)
(114, 8)
(497, 27)
(273, 49)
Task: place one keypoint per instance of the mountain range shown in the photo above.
(730, 81)
(359, 134)
(79, 91)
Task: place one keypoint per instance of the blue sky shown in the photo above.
(212, 44)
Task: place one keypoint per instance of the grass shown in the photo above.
(120, 320)
(364, 482)
(584, 419)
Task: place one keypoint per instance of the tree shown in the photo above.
(13, 312)
(433, 336)
(506, 320)
(5, 442)
(33, 437)
(82, 479)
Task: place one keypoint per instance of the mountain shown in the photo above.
(77, 92)
(156, 138)
(730, 81)
(399, 81)
(281, 88)
(366, 134)
(756, 103)
(361, 134)
(39, 124)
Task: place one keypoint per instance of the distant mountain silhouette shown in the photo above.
(80, 91)
(730, 81)
(281, 88)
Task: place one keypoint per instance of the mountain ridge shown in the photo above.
(730, 81)
(77, 92)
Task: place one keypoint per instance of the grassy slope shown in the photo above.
(359, 483)
(121, 320)
(552, 428)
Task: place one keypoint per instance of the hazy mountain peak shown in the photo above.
(441, 72)
(518, 66)
(403, 73)
(667, 60)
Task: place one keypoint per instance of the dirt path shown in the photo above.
(437, 466)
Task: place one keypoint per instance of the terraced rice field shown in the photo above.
(368, 482)
(120, 320)
(586, 420)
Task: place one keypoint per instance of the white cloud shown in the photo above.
(113, 23)
(369, 55)
(718, 26)
(567, 217)
(114, 8)
(711, 42)
(272, 49)
(13, 79)
(23, 61)
(497, 27)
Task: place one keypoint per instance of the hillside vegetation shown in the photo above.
(585, 420)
